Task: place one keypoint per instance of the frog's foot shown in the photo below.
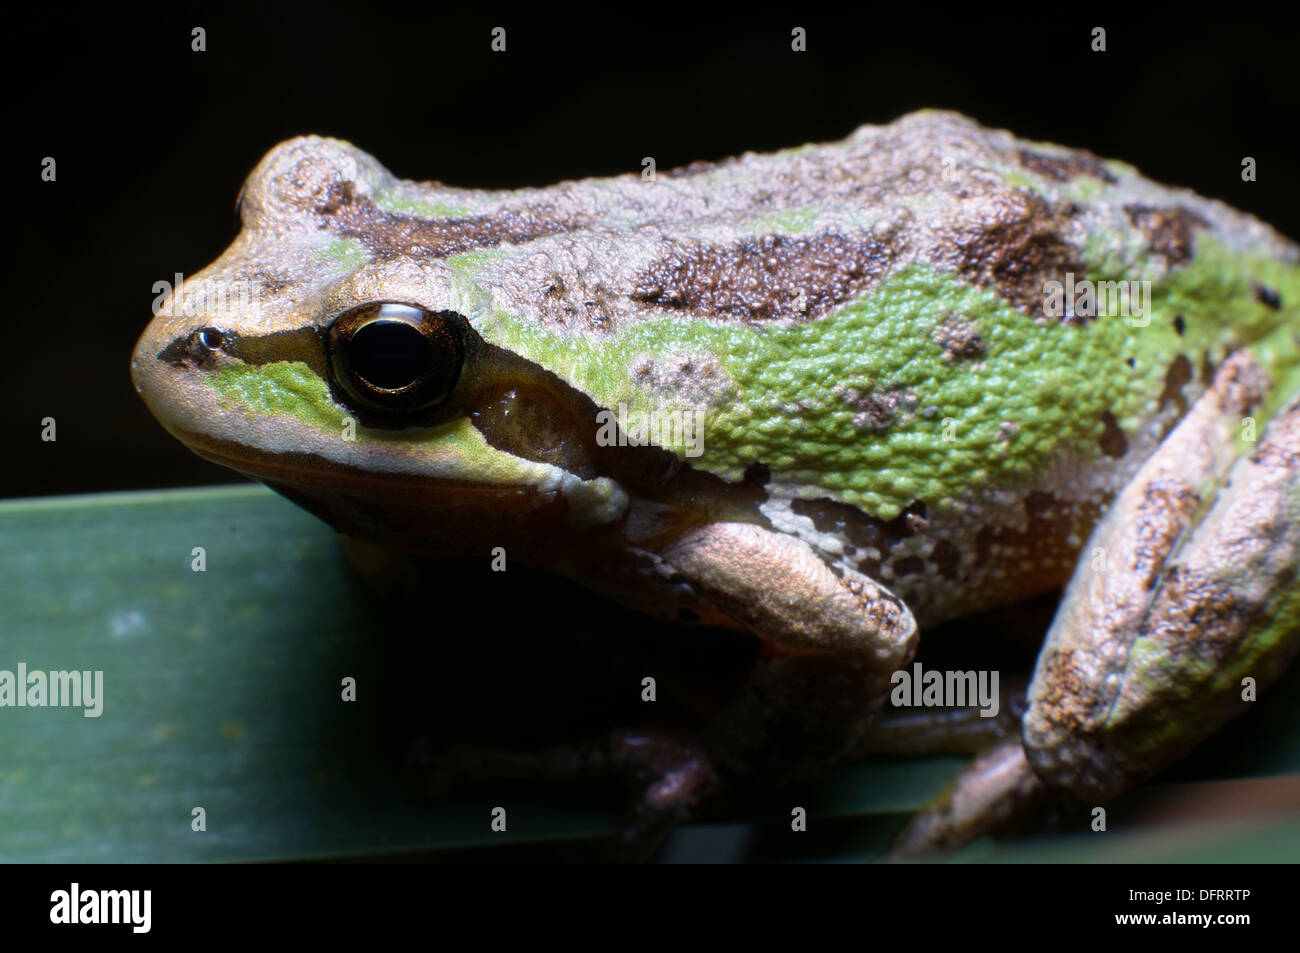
(997, 789)
(1184, 606)
(671, 781)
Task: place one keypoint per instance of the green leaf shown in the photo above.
(222, 690)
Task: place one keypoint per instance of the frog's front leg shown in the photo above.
(1185, 603)
(670, 779)
(832, 641)
(831, 644)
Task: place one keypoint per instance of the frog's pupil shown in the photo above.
(389, 354)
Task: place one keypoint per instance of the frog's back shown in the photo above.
(940, 349)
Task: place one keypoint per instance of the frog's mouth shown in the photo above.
(401, 510)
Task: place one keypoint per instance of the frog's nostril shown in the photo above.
(211, 338)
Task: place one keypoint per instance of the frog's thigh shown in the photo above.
(833, 640)
(1151, 651)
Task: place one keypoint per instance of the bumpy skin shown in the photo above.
(889, 412)
(1147, 656)
(1186, 608)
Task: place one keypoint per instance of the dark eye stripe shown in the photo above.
(304, 344)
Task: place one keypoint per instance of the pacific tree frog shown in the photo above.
(832, 396)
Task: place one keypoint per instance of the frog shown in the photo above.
(830, 397)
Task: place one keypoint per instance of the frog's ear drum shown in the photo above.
(396, 360)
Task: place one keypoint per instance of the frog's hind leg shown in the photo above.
(1185, 603)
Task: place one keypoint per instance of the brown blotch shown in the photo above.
(1268, 297)
(877, 410)
(1180, 326)
(908, 566)
(1113, 443)
(959, 337)
(909, 522)
(340, 195)
(870, 567)
(758, 474)
(347, 215)
(1278, 453)
(765, 278)
(1207, 368)
(1204, 620)
(860, 529)
(1178, 375)
(271, 283)
(1043, 546)
(1039, 505)
(1066, 167)
(1076, 698)
(1169, 231)
(916, 517)
(946, 559)
(1160, 519)
(574, 304)
(1016, 251)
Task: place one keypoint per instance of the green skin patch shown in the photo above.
(282, 388)
(291, 390)
(346, 251)
(1039, 390)
(420, 208)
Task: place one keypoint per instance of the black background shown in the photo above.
(152, 140)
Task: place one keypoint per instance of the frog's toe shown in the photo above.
(670, 779)
(996, 790)
(672, 782)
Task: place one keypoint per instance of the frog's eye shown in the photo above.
(396, 358)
